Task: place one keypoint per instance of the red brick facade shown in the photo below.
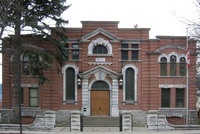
(110, 67)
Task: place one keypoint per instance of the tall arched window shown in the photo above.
(100, 49)
(130, 84)
(172, 65)
(163, 66)
(70, 84)
(70, 87)
(182, 66)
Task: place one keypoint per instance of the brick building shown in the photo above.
(109, 70)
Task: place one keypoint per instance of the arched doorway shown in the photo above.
(100, 99)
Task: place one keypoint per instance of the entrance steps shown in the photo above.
(94, 121)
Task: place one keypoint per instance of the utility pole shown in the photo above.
(187, 81)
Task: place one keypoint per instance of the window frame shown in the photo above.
(132, 51)
(182, 67)
(75, 51)
(25, 61)
(124, 83)
(173, 65)
(100, 41)
(70, 84)
(65, 101)
(124, 55)
(163, 67)
(180, 97)
(130, 85)
(134, 55)
(165, 98)
(37, 97)
(100, 49)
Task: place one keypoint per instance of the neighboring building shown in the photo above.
(108, 70)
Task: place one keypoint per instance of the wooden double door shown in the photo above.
(100, 102)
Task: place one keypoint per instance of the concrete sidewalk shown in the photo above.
(105, 130)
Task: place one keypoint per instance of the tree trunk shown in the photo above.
(16, 69)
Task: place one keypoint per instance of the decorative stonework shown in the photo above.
(170, 47)
(100, 75)
(156, 121)
(126, 121)
(172, 86)
(100, 63)
(100, 41)
(75, 121)
(170, 54)
(43, 122)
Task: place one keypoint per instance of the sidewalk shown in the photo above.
(105, 130)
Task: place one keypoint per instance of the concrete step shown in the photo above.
(101, 121)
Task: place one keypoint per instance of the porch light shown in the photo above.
(79, 82)
(120, 82)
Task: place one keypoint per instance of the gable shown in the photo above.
(100, 71)
(99, 31)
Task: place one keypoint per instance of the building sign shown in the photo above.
(100, 60)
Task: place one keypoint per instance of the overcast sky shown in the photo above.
(162, 16)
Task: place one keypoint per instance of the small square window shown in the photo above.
(134, 46)
(124, 45)
(75, 45)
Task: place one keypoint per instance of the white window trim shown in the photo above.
(124, 76)
(64, 80)
(180, 56)
(162, 55)
(169, 55)
(172, 86)
(99, 41)
(105, 80)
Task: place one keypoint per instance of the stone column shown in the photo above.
(114, 97)
(85, 97)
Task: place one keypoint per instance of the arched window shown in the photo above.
(70, 84)
(100, 85)
(70, 87)
(29, 61)
(130, 84)
(130, 72)
(172, 65)
(182, 66)
(100, 46)
(163, 66)
(100, 49)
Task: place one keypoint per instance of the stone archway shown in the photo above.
(100, 73)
